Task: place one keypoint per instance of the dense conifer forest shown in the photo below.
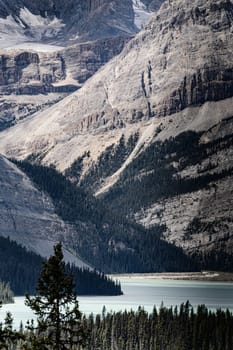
(178, 328)
(20, 269)
(108, 162)
(154, 174)
(165, 329)
(119, 244)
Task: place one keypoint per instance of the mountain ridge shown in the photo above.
(152, 89)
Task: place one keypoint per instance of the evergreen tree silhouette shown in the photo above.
(59, 321)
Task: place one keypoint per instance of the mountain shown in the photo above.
(55, 21)
(161, 72)
(49, 49)
(150, 134)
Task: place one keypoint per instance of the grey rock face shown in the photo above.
(26, 66)
(83, 60)
(201, 220)
(50, 76)
(163, 70)
(28, 216)
(152, 5)
(82, 20)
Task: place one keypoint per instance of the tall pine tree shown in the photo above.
(59, 321)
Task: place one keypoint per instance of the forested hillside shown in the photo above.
(109, 241)
(20, 269)
(157, 172)
(171, 178)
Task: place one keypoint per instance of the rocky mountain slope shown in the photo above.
(151, 132)
(39, 53)
(74, 20)
(160, 73)
(28, 216)
(32, 81)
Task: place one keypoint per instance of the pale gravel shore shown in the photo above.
(195, 276)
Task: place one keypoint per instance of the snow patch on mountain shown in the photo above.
(27, 27)
(36, 20)
(41, 26)
(11, 32)
(141, 14)
(35, 47)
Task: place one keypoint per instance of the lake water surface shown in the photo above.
(146, 292)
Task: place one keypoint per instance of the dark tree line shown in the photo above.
(180, 328)
(152, 175)
(166, 328)
(21, 269)
(107, 164)
(93, 283)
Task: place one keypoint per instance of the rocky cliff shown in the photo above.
(162, 71)
(32, 81)
(33, 60)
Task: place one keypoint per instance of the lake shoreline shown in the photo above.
(209, 276)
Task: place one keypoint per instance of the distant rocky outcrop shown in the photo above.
(50, 76)
(21, 70)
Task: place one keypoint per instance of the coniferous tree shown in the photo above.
(59, 319)
(6, 294)
(8, 336)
